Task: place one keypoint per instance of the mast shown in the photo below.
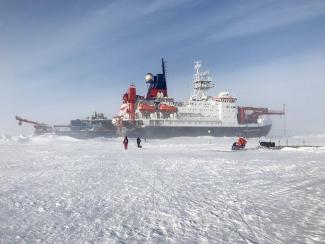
(202, 82)
(164, 75)
(163, 69)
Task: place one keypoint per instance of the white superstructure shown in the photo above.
(221, 108)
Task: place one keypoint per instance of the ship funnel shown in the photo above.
(157, 83)
(132, 93)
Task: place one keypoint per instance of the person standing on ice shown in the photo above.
(139, 142)
(125, 142)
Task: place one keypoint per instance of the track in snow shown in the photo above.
(181, 190)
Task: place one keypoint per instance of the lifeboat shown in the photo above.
(167, 108)
(145, 107)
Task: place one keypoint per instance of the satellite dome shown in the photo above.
(149, 77)
(224, 95)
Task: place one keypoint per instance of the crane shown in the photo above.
(38, 126)
(251, 114)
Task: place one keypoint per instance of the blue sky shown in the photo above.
(61, 60)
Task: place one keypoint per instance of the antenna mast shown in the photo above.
(163, 69)
(202, 82)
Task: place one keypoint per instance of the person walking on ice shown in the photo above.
(139, 142)
(125, 142)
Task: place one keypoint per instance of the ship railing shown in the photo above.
(197, 116)
(61, 128)
(179, 104)
(178, 122)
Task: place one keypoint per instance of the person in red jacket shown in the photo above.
(125, 142)
(240, 144)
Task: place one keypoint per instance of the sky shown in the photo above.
(61, 60)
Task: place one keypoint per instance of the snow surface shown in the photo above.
(181, 190)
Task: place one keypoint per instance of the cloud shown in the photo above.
(77, 35)
(161, 5)
(268, 17)
(40, 50)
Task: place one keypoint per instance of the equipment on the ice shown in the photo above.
(266, 144)
(271, 145)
